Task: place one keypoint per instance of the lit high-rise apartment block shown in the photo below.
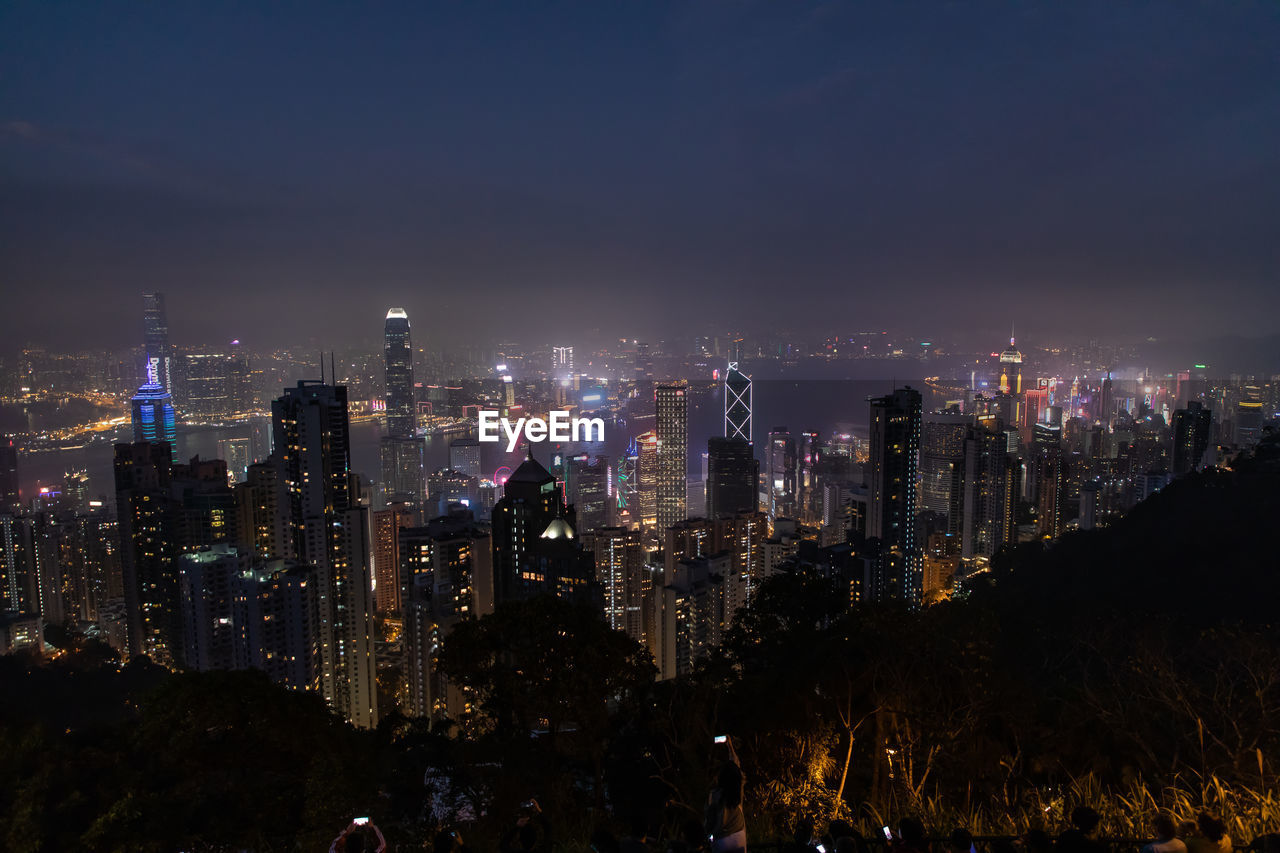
(329, 525)
(672, 406)
(891, 475)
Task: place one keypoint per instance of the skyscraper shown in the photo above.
(621, 570)
(645, 483)
(942, 465)
(1190, 437)
(742, 536)
(165, 510)
(403, 459)
(152, 408)
(672, 405)
(589, 487)
(148, 552)
(808, 494)
(205, 581)
(781, 462)
(1011, 369)
(562, 363)
(330, 530)
(212, 384)
(464, 457)
(263, 526)
(737, 403)
(238, 454)
(274, 611)
(990, 493)
(402, 417)
(446, 486)
(891, 475)
(387, 524)
(531, 500)
(156, 339)
(446, 576)
(10, 499)
(732, 477)
(402, 452)
(18, 576)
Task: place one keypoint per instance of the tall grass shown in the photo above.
(1126, 811)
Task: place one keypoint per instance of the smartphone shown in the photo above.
(722, 738)
(888, 834)
(821, 848)
(360, 821)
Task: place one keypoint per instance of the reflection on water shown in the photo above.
(51, 415)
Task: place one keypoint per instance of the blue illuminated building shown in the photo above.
(153, 416)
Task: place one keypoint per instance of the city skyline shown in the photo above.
(530, 422)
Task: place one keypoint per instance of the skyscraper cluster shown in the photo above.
(279, 557)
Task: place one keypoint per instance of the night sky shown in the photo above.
(285, 171)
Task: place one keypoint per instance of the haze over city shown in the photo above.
(644, 169)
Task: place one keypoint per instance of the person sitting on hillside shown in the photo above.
(1167, 840)
(1081, 837)
(1210, 837)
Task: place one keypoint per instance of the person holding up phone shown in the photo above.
(725, 823)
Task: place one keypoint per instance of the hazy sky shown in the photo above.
(291, 169)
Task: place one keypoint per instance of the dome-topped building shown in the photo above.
(1011, 356)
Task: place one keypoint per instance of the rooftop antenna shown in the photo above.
(322, 367)
(333, 374)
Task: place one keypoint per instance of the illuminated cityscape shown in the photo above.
(940, 453)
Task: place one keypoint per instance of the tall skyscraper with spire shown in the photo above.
(155, 329)
(402, 416)
(152, 407)
(402, 450)
(1011, 368)
(737, 403)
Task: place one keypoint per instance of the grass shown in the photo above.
(1126, 811)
